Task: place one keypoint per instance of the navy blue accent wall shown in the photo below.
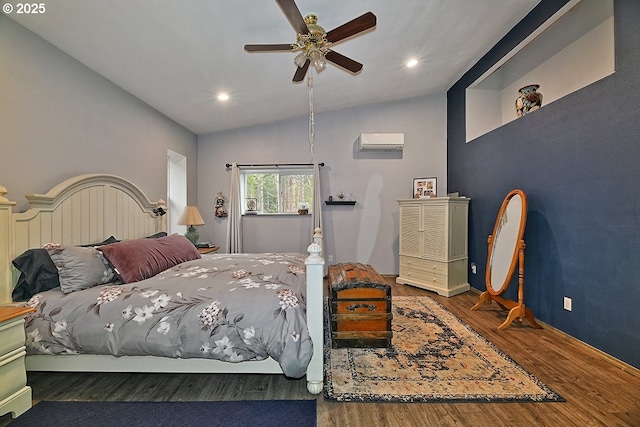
(578, 161)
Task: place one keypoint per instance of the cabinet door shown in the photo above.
(434, 235)
(410, 234)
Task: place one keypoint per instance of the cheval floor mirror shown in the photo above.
(506, 250)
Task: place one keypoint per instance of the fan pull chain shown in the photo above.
(312, 130)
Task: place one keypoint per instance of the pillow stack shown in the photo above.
(74, 268)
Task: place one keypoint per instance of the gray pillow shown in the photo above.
(80, 268)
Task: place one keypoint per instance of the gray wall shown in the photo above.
(59, 119)
(577, 160)
(366, 232)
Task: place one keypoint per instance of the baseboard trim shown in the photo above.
(619, 363)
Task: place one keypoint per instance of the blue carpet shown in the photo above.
(243, 413)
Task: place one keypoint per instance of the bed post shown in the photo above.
(6, 239)
(315, 303)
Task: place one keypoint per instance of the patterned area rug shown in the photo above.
(435, 357)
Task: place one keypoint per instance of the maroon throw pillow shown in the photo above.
(139, 259)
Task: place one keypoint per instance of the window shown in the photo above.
(276, 190)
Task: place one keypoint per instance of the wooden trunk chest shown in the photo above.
(360, 307)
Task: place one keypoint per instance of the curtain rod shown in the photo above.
(228, 165)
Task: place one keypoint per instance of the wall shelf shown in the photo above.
(340, 202)
(558, 56)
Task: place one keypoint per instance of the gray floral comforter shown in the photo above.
(229, 307)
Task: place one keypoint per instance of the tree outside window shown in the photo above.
(278, 191)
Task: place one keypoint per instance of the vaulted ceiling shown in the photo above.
(177, 56)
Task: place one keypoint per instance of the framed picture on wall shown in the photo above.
(424, 188)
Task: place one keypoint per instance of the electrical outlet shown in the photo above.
(474, 268)
(330, 258)
(567, 303)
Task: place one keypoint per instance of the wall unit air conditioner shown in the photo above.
(381, 141)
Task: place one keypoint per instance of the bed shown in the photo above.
(178, 311)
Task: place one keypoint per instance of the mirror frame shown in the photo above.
(519, 242)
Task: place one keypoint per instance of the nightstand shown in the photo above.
(204, 251)
(15, 395)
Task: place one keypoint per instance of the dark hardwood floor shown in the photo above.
(599, 390)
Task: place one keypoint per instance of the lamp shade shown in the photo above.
(191, 216)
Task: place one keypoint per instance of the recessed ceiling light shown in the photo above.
(412, 63)
(223, 96)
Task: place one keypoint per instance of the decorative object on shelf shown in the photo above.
(303, 208)
(529, 99)
(221, 212)
(251, 205)
(424, 188)
(340, 196)
(191, 217)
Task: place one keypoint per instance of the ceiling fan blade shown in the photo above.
(301, 72)
(353, 27)
(294, 16)
(267, 47)
(344, 62)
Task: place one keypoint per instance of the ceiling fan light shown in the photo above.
(300, 59)
(319, 63)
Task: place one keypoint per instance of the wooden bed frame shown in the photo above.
(90, 208)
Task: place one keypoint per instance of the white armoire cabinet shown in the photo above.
(433, 247)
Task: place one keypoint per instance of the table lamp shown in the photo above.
(190, 218)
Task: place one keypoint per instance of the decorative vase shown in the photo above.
(529, 100)
(192, 234)
(303, 211)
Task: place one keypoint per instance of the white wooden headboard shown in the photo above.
(84, 209)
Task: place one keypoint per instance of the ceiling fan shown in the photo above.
(314, 43)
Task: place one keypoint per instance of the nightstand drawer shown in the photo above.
(13, 376)
(12, 335)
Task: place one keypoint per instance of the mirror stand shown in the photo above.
(505, 251)
(517, 310)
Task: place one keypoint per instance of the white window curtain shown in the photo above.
(234, 226)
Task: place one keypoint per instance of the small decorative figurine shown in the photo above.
(303, 208)
(221, 212)
(529, 100)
